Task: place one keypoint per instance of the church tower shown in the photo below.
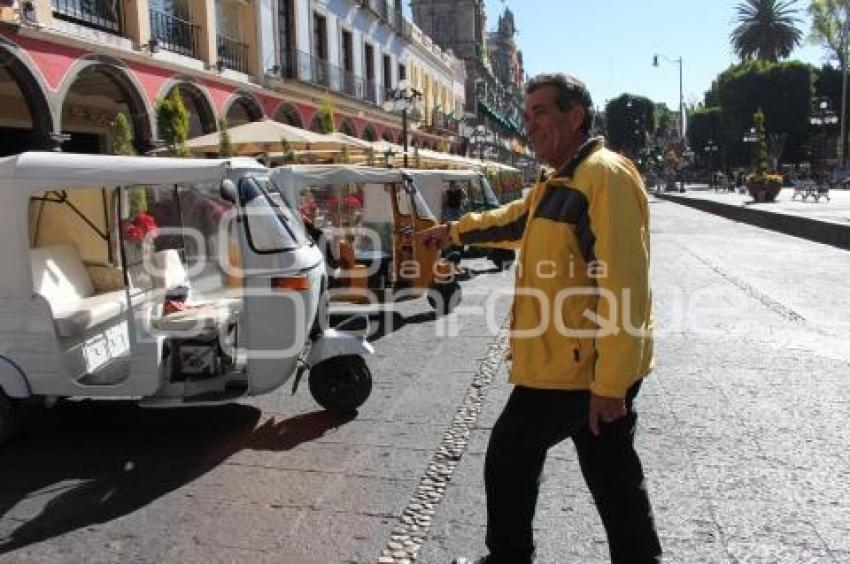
(453, 24)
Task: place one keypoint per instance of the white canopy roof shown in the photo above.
(40, 171)
(24, 174)
(291, 179)
(443, 174)
(301, 176)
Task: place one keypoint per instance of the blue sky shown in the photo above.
(609, 43)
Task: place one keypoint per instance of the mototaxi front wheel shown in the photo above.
(341, 383)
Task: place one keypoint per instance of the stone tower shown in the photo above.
(459, 26)
(453, 24)
(505, 57)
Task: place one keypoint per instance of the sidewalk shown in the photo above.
(824, 221)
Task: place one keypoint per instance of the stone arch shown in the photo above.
(369, 134)
(198, 104)
(105, 76)
(346, 126)
(288, 113)
(242, 107)
(316, 123)
(16, 68)
(387, 136)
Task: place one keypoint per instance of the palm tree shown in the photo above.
(767, 30)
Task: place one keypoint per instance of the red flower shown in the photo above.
(140, 226)
(353, 202)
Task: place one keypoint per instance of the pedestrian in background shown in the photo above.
(593, 213)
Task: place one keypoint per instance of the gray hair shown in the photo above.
(571, 91)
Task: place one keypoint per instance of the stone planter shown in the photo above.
(764, 192)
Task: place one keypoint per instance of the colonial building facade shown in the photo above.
(494, 74)
(68, 67)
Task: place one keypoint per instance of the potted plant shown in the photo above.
(763, 186)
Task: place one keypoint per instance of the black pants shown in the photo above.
(534, 421)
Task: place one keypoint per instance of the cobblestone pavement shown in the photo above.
(743, 433)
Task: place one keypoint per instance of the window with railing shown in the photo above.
(388, 72)
(173, 33)
(232, 54)
(104, 15)
(315, 70)
(320, 36)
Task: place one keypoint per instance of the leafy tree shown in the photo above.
(325, 114)
(122, 136)
(767, 30)
(783, 91)
(225, 147)
(665, 123)
(831, 30)
(286, 149)
(122, 144)
(629, 119)
(831, 26)
(761, 144)
(712, 96)
(704, 125)
(173, 122)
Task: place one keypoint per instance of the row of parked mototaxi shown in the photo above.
(180, 282)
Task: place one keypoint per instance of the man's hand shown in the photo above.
(435, 237)
(605, 410)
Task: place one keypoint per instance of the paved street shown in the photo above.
(743, 433)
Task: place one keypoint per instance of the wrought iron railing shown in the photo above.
(232, 54)
(443, 122)
(288, 64)
(371, 93)
(174, 34)
(384, 9)
(104, 15)
(308, 68)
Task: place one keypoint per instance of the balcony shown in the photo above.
(307, 68)
(103, 15)
(352, 84)
(174, 34)
(445, 123)
(371, 93)
(232, 54)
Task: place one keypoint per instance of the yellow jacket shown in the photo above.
(583, 241)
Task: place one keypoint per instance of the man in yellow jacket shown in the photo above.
(581, 328)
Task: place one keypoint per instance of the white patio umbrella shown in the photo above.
(352, 141)
(264, 136)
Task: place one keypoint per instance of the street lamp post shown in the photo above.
(678, 61)
(711, 149)
(750, 138)
(823, 116)
(479, 137)
(404, 99)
